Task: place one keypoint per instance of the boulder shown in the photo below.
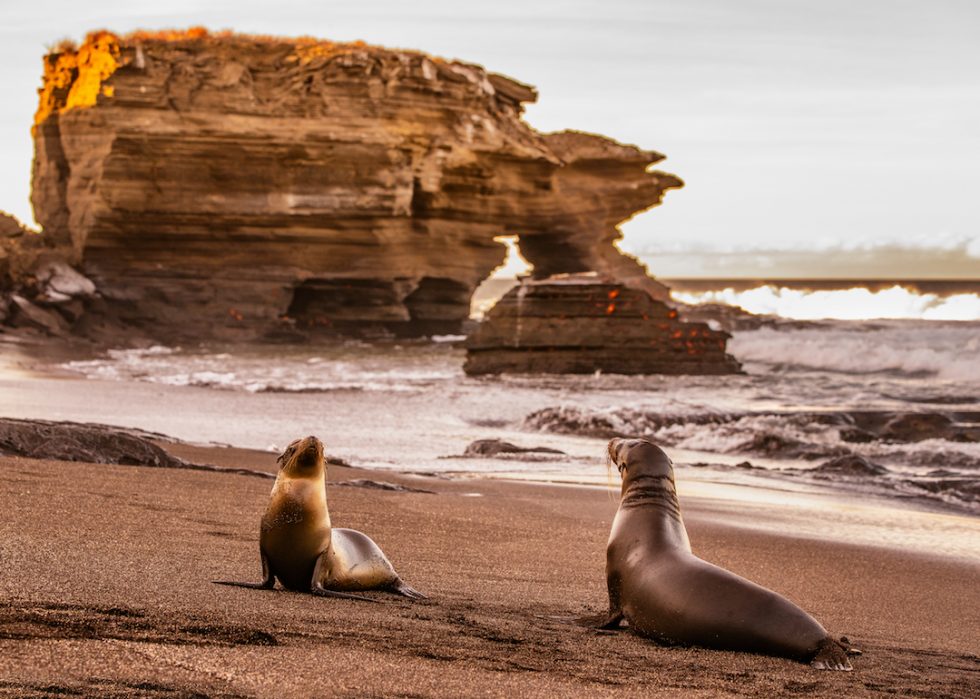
(580, 324)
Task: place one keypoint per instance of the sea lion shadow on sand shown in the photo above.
(301, 549)
(666, 593)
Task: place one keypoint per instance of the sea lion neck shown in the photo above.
(651, 491)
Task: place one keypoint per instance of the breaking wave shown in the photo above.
(843, 304)
(348, 366)
(946, 352)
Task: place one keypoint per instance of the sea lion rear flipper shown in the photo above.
(831, 655)
(268, 578)
(609, 621)
(402, 589)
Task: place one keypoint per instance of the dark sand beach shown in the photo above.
(106, 592)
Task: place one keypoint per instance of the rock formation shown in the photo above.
(39, 290)
(240, 187)
(579, 324)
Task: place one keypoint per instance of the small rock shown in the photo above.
(58, 282)
(24, 314)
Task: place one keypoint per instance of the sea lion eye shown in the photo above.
(286, 454)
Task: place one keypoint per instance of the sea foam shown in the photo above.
(845, 304)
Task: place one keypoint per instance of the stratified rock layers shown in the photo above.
(235, 187)
(581, 324)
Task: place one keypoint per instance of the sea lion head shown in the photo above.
(303, 457)
(638, 457)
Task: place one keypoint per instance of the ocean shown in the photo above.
(883, 409)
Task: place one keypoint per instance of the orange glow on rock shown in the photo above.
(610, 309)
(74, 79)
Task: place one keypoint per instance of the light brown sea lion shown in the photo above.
(300, 549)
(667, 593)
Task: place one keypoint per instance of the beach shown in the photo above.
(107, 569)
(106, 587)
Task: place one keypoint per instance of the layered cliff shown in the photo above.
(239, 187)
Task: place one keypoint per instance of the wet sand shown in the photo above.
(105, 591)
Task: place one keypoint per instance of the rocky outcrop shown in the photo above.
(237, 187)
(579, 324)
(39, 291)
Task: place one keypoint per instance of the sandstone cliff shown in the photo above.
(241, 187)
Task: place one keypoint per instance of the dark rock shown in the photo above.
(24, 314)
(493, 447)
(916, 427)
(851, 465)
(380, 485)
(857, 436)
(66, 441)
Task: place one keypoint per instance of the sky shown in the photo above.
(816, 138)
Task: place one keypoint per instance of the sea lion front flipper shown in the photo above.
(402, 589)
(831, 655)
(608, 621)
(268, 578)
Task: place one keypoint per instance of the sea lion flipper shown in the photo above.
(321, 591)
(831, 655)
(608, 621)
(319, 573)
(268, 578)
(254, 586)
(402, 589)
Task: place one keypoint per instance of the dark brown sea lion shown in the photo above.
(300, 549)
(667, 593)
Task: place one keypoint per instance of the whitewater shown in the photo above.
(802, 418)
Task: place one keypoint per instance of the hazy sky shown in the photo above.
(828, 125)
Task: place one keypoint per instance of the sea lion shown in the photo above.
(666, 593)
(300, 549)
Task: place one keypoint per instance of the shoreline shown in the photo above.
(138, 546)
